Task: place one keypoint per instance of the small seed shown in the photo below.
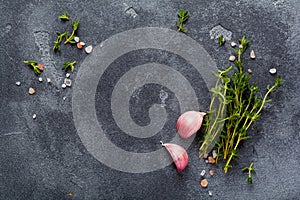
(18, 83)
(210, 193)
(214, 154)
(252, 54)
(203, 173)
(211, 172)
(76, 39)
(211, 160)
(48, 80)
(273, 71)
(231, 58)
(89, 49)
(241, 46)
(40, 79)
(249, 71)
(204, 183)
(63, 86)
(233, 44)
(34, 116)
(41, 67)
(67, 75)
(79, 46)
(31, 91)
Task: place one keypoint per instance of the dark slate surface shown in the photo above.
(45, 159)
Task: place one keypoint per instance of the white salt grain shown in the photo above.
(231, 58)
(89, 49)
(34, 116)
(76, 39)
(18, 83)
(273, 71)
(63, 86)
(40, 79)
(203, 173)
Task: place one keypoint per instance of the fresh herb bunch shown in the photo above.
(239, 105)
(183, 16)
(36, 68)
(68, 65)
(221, 40)
(64, 16)
(250, 170)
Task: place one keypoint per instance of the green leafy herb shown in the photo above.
(68, 65)
(183, 16)
(34, 65)
(239, 105)
(64, 16)
(70, 38)
(250, 170)
(221, 40)
(58, 40)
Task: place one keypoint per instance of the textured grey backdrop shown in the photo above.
(45, 159)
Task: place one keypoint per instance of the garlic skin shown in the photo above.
(189, 123)
(178, 154)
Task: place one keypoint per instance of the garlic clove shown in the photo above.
(189, 123)
(178, 154)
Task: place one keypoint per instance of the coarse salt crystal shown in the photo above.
(63, 86)
(231, 58)
(89, 49)
(202, 172)
(34, 116)
(233, 44)
(40, 79)
(18, 83)
(67, 75)
(273, 71)
(76, 39)
(48, 80)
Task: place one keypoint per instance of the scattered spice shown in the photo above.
(79, 46)
(40, 67)
(211, 172)
(189, 123)
(70, 194)
(202, 172)
(233, 44)
(211, 160)
(204, 183)
(232, 58)
(273, 71)
(252, 54)
(89, 49)
(31, 91)
(249, 71)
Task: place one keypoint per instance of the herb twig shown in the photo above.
(68, 65)
(64, 16)
(250, 170)
(221, 40)
(58, 40)
(70, 38)
(183, 16)
(36, 68)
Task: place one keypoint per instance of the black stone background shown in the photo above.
(45, 159)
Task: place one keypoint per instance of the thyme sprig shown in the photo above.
(183, 16)
(239, 106)
(250, 170)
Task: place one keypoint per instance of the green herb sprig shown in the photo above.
(239, 106)
(183, 16)
(70, 38)
(58, 40)
(34, 65)
(221, 40)
(250, 170)
(64, 16)
(68, 65)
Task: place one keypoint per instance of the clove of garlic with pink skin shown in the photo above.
(189, 123)
(178, 154)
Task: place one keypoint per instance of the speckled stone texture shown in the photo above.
(45, 158)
